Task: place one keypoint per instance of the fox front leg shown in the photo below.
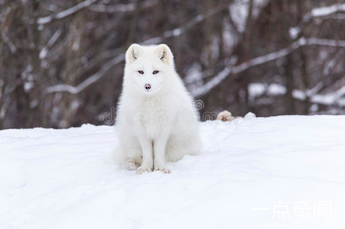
(147, 160)
(159, 151)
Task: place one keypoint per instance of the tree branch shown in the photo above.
(215, 81)
(178, 31)
(105, 68)
(327, 99)
(326, 11)
(314, 13)
(92, 79)
(121, 7)
(65, 13)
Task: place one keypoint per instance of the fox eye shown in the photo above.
(141, 72)
(155, 72)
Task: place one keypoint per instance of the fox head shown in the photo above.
(148, 67)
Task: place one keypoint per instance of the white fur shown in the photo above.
(158, 125)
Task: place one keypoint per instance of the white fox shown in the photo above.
(156, 120)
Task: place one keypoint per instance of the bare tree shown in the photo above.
(61, 62)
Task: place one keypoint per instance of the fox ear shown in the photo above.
(133, 52)
(164, 53)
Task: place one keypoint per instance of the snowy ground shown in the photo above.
(279, 172)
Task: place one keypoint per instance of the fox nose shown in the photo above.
(147, 86)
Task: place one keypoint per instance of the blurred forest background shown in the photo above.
(61, 62)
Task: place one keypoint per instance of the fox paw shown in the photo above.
(163, 170)
(132, 165)
(142, 170)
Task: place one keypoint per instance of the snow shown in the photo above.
(294, 32)
(328, 10)
(66, 178)
(43, 53)
(258, 89)
(239, 13)
(276, 89)
(332, 98)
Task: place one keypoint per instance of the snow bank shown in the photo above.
(279, 172)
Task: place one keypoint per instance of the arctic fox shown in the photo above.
(156, 119)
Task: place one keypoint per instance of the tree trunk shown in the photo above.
(304, 7)
(71, 74)
(245, 57)
(288, 66)
(134, 24)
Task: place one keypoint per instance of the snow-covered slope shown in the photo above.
(279, 172)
